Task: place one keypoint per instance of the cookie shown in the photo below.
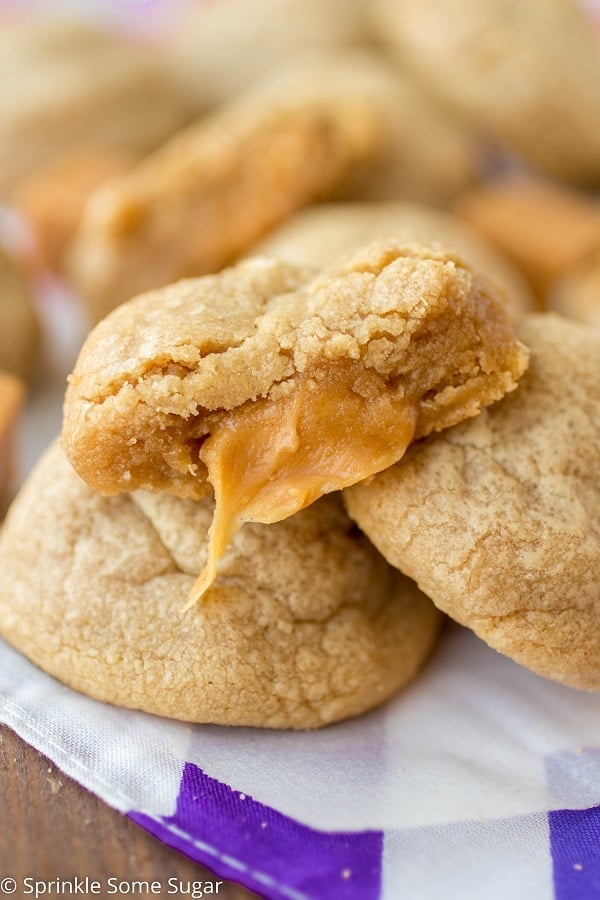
(545, 229)
(212, 191)
(11, 396)
(425, 154)
(306, 625)
(315, 236)
(577, 294)
(19, 325)
(528, 72)
(53, 196)
(71, 83)
(498, 519)
(221, 48)
(277, 388)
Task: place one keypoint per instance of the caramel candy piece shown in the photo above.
(52, 197)
(277, 388)
(11, 395)
(577, 295)
(543, 228)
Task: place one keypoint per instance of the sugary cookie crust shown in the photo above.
(317, 235)
(305, 625)
(498, 519)
(415, 318)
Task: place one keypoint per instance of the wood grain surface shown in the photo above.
(50, 828)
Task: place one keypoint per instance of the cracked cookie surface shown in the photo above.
(317, 235)
(277, 388)
(306, 624)
(498, 519)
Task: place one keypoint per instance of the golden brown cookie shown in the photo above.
(214, 189)
(53, 196)
(498, 519)
(545, 229)
(577, 294)
(221, 48)
(306, 625)
(11, 395)
(19, 325)
(529, 72)
(276, 387)
(315, 236)
(425, 153)
(67, 83)
(325, 126)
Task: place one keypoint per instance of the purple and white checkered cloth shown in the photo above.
(481, 779)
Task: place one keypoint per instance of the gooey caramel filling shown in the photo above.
(269, 458)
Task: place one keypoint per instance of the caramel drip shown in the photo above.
(268, 459)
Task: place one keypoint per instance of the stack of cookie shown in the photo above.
(277, 473)
(257, 395)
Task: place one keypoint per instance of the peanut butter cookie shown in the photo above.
(223, 47)
(306, 625)
(66, 83)
(277, 388)
(213, 190)
(528, 72)
(498, 519)
(315, 236)
(11, 396)
(19, 324)
(342, 125)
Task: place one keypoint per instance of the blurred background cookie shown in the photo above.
(19, 325)
(526, 72)
(220, 48)
(214, 189)
(316, 236)
(11, 396)
(343, 125)
(498, 519)
(72, 83)
(53, 196)
(307, 625)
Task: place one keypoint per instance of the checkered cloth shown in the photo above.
(479, 780)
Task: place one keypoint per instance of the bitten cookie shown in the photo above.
(527, 71)
(317, 235)
(277, 387)
(498, 519)
(306, 625)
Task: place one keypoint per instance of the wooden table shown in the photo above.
(50, 827)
